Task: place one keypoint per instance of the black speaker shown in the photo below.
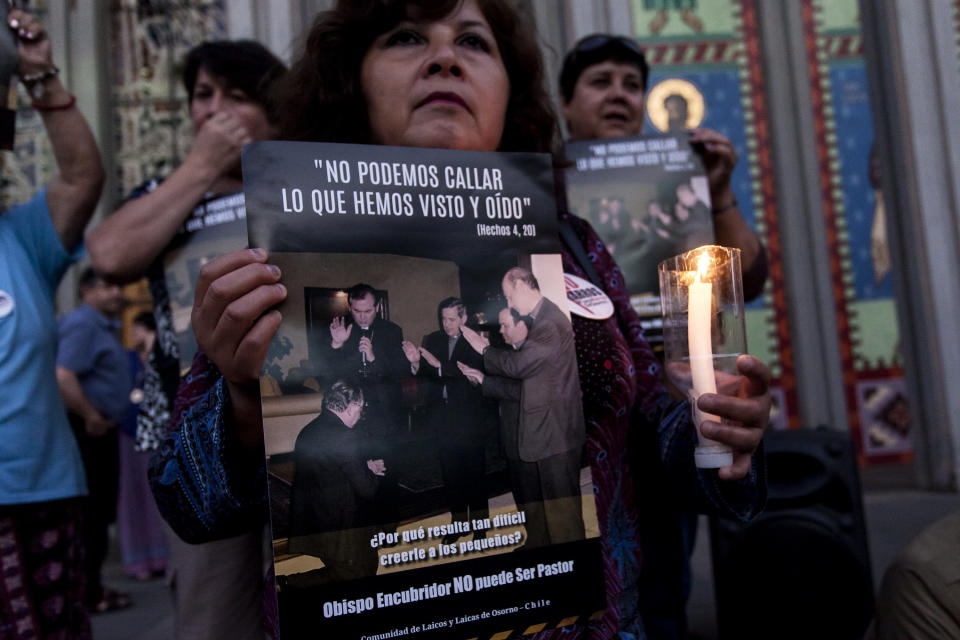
(801, 569)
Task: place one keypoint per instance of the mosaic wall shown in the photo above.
(152, 130)
(712, 50)
(30, 165)
(869, 336)
(151, 123)
(151, 127)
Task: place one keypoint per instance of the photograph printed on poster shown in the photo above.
(416, 397)
(215, 227)
(648, 198)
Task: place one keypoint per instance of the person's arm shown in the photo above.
(360, 477)
(74, 359)
(206, 485)
(73, 193)
(536, 352)
(208, 475)
(153, 219)
(429, 365)
(501, 388)
(234, 324)
(664, 424)
(729, 226)
(73, 397)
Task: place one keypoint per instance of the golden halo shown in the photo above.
(657, 110)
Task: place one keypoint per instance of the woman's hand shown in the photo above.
(32, 43)
(218, 143)
(747, 413)
(719, 158)
(231, 317)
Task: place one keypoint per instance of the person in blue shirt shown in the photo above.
(41, 474)
(93, 373)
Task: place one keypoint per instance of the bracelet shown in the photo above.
(34, 81)
(725, 207)
(56, 107)
(32, 78)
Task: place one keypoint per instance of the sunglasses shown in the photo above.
(600, 40)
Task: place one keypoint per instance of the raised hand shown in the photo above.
(339, 332)
(478, 342)
(473, 375)
(430, 358)
(411, 351)
(719, 159)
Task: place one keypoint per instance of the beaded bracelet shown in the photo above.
(32, 78)
(34, 81)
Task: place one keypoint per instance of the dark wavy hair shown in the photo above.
(450, 303)
(244, 64)
(321, 98)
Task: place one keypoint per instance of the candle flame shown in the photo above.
(703, 263)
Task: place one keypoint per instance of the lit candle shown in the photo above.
(699, 318)
(710, 454)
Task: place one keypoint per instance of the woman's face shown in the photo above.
(212, 95)
(437, 84)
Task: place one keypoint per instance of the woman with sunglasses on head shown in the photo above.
(603, 86)
(454, 75)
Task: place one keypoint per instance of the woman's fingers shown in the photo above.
(231, 313)
(224, 291)
(739, 469)
(251, 353)
(239, 317)
(226, 263)
(740, 438)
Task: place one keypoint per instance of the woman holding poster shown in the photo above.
(227, 85)
(456, 75)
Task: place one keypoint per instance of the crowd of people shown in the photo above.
(456, 74)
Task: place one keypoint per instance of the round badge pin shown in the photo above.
(586, 299)
(6, 304)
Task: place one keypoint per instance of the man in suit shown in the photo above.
(333, 489)
(455, 411)
(527, 496)
(551, 431)
(365, 352)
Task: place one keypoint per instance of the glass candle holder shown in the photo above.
(701, 296)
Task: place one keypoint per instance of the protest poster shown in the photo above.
(394, 472)
(215, 227)
(648, 199)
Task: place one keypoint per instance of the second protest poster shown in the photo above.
(420, 390)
